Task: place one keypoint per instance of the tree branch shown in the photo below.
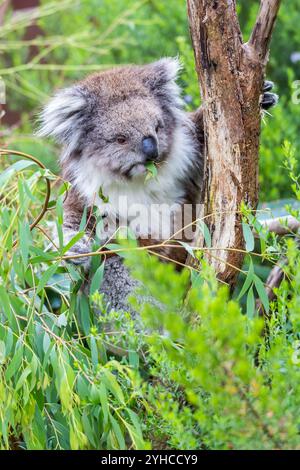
(231, 81)
(262, 31)
(282, 225)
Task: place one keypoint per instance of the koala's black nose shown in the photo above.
(149, 146)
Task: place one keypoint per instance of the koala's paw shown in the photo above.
(269, 99)
(84, 245)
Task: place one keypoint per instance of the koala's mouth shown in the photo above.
(135, 170)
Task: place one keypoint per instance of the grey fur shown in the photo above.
(117, 285)
(102, 122)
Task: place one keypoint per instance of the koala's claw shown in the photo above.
(268, 85)
(269, 99)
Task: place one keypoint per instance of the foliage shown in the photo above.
(76, 375)
(217, 383)
(58, 387)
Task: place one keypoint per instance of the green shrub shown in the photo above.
(217, 383)
(59, 389)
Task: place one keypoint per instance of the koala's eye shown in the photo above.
(121, 139)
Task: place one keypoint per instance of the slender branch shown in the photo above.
(262, 31)
(281, 225)
(48, 184)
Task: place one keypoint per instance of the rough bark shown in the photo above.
(231, 75)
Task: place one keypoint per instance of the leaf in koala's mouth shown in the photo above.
(151, 170)
(104, 198)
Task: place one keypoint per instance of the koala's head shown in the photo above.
(119, 119)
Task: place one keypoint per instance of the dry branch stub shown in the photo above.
(231, 75)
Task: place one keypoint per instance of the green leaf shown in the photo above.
(250, 303)
(13, 169)
(196, 279)
(82, 387)
(63, 188)
(83, 220)
(5, 302)
(59, 221)
(94, 351)
(206, 233)
(88, 429)
(74, 274)
(135, 431)
(46, 276)
(85, 314)
(104, 402)
(249, 280)
(262, 293)
(23, 377)
(46, 342)
(59, 210)
(9, 341)
(2, 352)
(188, 248)
(72, 242)
(133, 359)
(15, 363)
(151, 171)
(248, 236)
(51, 204)
(112, 385)
(25, 240)
(62, 320)
(97, 279)
(65, 393)
(42, 256)
(104, 198)
(118, 433)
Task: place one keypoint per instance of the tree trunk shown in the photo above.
(231, 75)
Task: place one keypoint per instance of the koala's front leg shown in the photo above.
(73, 211)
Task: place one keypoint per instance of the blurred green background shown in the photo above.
(72, 38)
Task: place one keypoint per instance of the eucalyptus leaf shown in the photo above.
(248, 236)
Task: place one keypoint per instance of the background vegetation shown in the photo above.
(71, 378)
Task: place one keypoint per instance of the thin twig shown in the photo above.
(48, 184)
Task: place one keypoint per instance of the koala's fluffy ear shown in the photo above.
(160, 77)
(63, 117)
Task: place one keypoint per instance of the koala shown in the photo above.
(113, 127)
